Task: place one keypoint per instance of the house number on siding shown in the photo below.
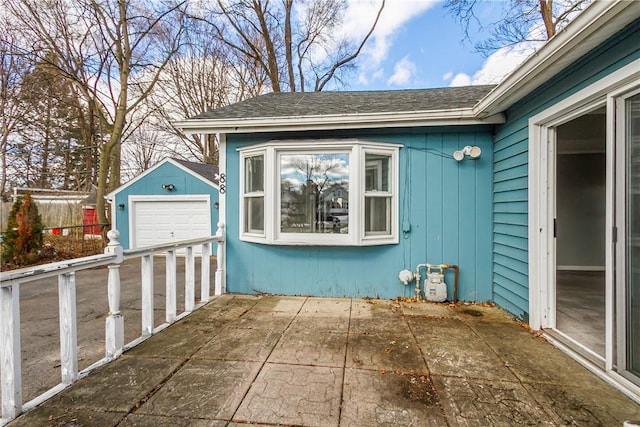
(221, 180)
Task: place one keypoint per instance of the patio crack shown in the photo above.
(344, 362)
(430, 380)
(510, 369)
(159, 386)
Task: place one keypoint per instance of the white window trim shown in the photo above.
(392, 193)
(272, 197)
(243, 195)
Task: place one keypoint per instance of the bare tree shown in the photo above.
(12, 109)
(296, 43)
(113, 52)
(521, 20)
(143, 149)
(204, 77)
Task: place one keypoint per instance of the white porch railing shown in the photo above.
(10, 282)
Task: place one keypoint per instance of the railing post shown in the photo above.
(220, 287)
(68, 327)
(205, 272)
(147, 295)
(10, 357)
(171, 286)
(189, 280)
(114, 331)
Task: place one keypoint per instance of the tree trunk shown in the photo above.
(3, 160)
(288, 45)
(103, 173)
(272, 56)
(546, 9)
(42, 181)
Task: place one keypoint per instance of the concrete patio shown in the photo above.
(271, 360)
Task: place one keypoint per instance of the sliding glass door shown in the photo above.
(631, 133)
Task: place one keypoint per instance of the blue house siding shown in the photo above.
(151, 185)
(510, 157)
(445, 212)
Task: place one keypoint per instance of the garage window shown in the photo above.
(336, 193)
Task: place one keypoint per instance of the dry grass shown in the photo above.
(60, 248)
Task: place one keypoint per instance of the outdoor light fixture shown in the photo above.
(121, 206)
(168, 187)
(216, 205)
(473, 152)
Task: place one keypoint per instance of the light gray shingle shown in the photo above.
(301, 104)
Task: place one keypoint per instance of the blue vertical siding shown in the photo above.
(510, 165)
(151, 185)
(445, 208)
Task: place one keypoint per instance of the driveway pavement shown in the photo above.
(298, 361)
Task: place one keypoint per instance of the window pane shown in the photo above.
(377, 173)
(254, 214)
(377, 217)
(314, 193)
(254, 174)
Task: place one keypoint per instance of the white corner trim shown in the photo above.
(537, 196)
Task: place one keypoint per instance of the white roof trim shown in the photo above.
(462, 116)
(596, 24)
(112, 194)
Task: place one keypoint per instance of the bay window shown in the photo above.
(320, 193)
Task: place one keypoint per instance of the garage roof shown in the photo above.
(205, 172)
(209, 172)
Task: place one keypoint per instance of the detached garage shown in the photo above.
(174, 200)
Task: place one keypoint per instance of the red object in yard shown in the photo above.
(56, 231)
(90, 221)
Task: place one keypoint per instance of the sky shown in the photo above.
(419, 44)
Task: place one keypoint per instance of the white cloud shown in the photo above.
(361, 14)
(497, 66)
(403, 71)
(461, 79)
(448, 76)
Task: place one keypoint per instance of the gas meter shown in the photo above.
(435, 289)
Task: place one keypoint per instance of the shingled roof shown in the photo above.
(285, 112)
(301, 104)
(206, 171)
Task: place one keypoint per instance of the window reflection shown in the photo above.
(314, 193)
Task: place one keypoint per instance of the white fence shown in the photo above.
(10, 283)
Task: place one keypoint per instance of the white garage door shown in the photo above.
(160, 221)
